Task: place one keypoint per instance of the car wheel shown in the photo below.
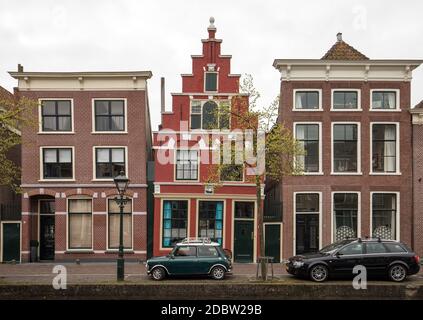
(158, 273)
(218, 273)
(319, 273)
(397, 273)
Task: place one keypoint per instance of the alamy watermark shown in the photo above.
(218, 147)
(60, 281)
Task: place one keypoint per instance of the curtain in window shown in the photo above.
(80, 231)
(390, 149)
(114, 224)
(300, 135)
(298, 100)
(393, 216)
(390, 98)
(80, 224)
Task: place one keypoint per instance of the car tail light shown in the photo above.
(417, 259)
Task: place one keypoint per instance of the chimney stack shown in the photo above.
(162, 91)
(339, 37)
(211, 29)
(20, 68)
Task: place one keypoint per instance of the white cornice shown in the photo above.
(334, 70)
(95, 74)
(318, 62)
(72, 81)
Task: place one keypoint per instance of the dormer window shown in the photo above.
(210, 81)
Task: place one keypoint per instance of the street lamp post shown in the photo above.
(121, 182)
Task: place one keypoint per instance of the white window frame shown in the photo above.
(95, 163)
(359, 172)
(320, 108)
(397, 218)
(358, 91)
(125, 110)
(198, 200)
(217, 81)
(398, 171)
(333, 212)
(107, 226)
(320, 172)
(92, 224)
(294, 205)
(397, 100)
(162, 200)
(176, 162)
(202, 102)
(40, 117)
(42, 179)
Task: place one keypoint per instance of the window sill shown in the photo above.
(114, 251)
(72, 251)
(385, 110)
(346, 173)
(385, 173)
(225, 182)
(56, 180)
(307, 110)
(56, 132)
(312, 174)
(346, 110)
(109, 132)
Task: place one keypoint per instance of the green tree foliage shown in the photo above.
(14, 114)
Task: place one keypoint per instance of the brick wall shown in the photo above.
(418, 187)
(364, 183)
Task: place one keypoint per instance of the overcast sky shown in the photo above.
(94, 35)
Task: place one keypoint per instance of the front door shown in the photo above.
(47, 237)
(244, 241)
(307, 233)
(273, 241)
(11, 241)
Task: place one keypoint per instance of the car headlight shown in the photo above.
(298, 264)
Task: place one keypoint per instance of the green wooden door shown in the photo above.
(11, 242)
(244, 241)
(273, 241)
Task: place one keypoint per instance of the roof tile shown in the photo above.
(343, 51)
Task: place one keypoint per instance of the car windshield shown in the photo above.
(334, 246)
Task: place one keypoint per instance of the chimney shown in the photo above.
(162, 91)
(339, 36)
(20, 68)
(211, 29)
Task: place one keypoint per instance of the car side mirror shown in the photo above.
(172, 256)
(338, 254)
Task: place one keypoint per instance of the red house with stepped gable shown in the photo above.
(185, 205)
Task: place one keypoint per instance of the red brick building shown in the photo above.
(185, 204)
(351, 114)
(91, 125)
(417, 122)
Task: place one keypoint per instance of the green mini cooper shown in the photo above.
(191, 257)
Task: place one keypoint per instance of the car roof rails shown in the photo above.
(193, 240)
(359, 240)
(378, 239)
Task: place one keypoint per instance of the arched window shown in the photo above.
(210, 115)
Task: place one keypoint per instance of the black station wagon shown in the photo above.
(379, 257)
(191, 257)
